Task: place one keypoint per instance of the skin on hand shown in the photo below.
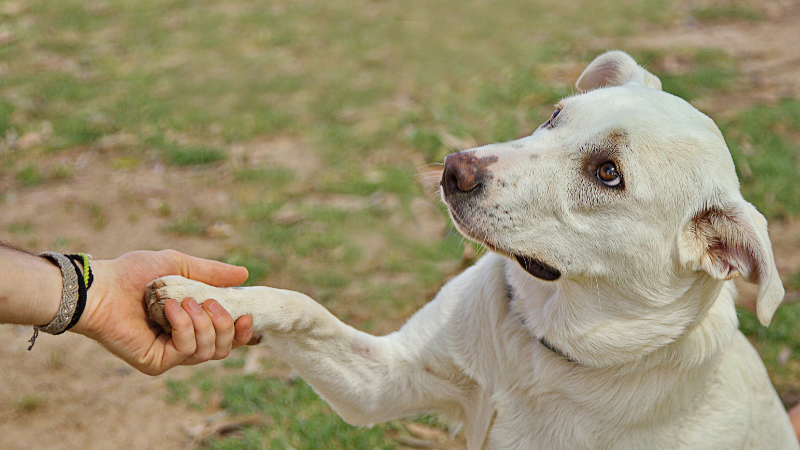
(794, 415)
(116, 316)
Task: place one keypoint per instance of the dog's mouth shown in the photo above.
(531, 265)
(537, 268)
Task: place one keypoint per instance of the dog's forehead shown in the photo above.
(657, 125)
(633, 105)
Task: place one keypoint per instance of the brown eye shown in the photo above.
(608, 174)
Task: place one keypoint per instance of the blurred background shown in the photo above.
(303, 140)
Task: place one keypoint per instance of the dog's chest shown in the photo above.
(541, 400)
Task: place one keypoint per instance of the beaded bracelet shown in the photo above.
(76, 280)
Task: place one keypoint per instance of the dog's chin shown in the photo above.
(531, 265)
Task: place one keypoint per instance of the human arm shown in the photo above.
(115, 316)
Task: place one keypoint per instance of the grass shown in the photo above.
(30, 176)
(317, 428)
(377, 91)
(191, 156)
(295, 415)
(258, 267)
(192, 224)
(765, 143)
(708, 72)
(778, 344)
(29, 403)
(727, 13)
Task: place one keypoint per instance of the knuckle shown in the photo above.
(189, 350)
(204, 355)
(222, 354)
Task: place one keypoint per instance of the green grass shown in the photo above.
(710, 72)
(257, 266)
(30, 176)
(794, 281)
(21, 228)
(6, 109)
(782, 335)
(187, 155)
(727, 13)
(765, 143)
(30, 403)
(297, 417)
(272, 177)
(192, 224)
(191, 156)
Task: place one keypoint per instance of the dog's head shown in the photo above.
(625, 185)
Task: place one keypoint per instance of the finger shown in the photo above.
(223, 326)
(243, 331)
(211, 272)
(184, 343)
(204, 333)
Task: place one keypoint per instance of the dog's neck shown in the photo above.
(542, 340)
(602, 328)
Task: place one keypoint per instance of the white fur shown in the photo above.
(643, 307)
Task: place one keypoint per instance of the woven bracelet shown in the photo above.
(76, 279)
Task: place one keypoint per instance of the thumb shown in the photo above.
(208, 271)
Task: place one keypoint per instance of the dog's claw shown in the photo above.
(155, 304)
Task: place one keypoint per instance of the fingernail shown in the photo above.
(214, 307)
(173, 304)
(193, 305)
(249, 328)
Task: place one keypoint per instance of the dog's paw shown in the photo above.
(174, 287)
(155, 297)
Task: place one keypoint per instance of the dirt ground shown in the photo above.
(70, 394)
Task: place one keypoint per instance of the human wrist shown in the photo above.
(91, 321)
(45, 307)
(30, 288)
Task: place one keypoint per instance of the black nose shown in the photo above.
(464, 172)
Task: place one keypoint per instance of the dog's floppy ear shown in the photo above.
(615, 68)
(731, 240)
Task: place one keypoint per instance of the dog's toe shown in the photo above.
(155, 297)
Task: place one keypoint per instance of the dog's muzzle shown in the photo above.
(464, 179)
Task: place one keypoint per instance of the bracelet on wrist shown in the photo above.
(76, 279)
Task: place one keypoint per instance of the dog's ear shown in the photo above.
(732, 240)
(615, 68)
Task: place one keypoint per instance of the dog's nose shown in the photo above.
(463, 172)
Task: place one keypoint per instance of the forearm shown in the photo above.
(30, 288)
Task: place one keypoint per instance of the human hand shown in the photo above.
(116, 315)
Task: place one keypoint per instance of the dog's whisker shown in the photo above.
(597, 286)
(433, 164)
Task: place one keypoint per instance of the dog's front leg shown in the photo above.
(366, 379)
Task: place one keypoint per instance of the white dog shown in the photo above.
(604, 318)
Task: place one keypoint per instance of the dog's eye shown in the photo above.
(551, 119)
(608, 174)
